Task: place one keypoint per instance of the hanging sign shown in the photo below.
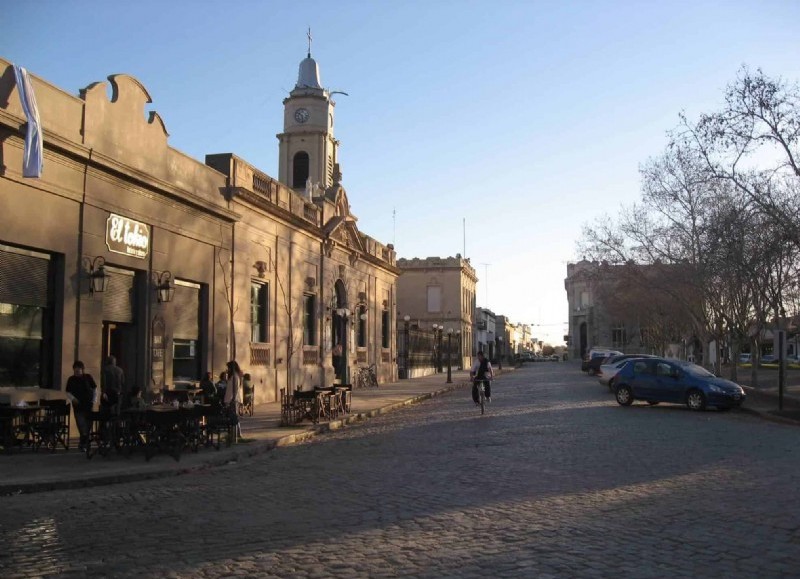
(127, 236)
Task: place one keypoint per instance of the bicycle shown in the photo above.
(366, 377)
(481, 394)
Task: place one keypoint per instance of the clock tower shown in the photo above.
(308, 150)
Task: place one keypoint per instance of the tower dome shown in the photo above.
(308, 77)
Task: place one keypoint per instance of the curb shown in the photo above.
(231, 456)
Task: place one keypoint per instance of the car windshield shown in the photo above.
(698, 371)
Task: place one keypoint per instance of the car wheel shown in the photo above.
(695, 400)
(652, 402)
(624, 395)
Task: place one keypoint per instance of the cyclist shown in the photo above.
(481, 371)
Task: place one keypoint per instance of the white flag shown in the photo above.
(32, 155)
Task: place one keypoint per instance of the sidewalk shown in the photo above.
(28, 472)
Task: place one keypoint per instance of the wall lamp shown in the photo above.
(165, 289)
(98, 278)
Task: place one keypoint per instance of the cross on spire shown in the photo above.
(309, 41)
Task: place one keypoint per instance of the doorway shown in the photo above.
(339, 330)
(119, 340)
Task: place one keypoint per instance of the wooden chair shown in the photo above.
(346, 392)
(288, 409)
(327, 401)
(248, 398)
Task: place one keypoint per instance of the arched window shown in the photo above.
(300, 170)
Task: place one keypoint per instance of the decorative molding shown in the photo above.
(262, 267)
(259, 354)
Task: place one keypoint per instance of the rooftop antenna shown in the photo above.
(309, 41)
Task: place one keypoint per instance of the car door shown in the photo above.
(669, 387)
(643, 381)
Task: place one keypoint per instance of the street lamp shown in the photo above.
(499, 352)
(165, 289)
(98, 278)
(407, 319)
(449, 344)
(460, 350)
(437, 347)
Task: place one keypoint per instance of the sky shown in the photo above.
(491, 128)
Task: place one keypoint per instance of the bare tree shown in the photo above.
(226, 268)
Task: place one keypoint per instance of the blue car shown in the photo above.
(657, 380)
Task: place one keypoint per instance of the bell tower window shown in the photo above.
(300, 170)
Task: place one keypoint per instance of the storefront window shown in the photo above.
(385, 328)
(184, 359)
(186, 343)
(361, 338)
(21, 340)
(259, 312)
(26, 325)
(309, 320)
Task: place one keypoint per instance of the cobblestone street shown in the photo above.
(556, 480)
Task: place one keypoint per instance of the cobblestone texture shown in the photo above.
(555, 481)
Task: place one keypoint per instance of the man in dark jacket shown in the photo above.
(115, 393)
(481, 372)
(81, 387)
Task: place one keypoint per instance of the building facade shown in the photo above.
(440, 291)
(125, 246)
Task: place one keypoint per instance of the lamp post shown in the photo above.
(439, 350)
(407, 319)
(460, 348)
(449, 344)
(499, 352)
(435, 328)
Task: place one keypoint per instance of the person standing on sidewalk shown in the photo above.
(115, 393)
(233, 395)
(81, 387)
(481, 371)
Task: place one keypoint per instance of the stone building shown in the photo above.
(125, 246)
(485, 333)
(440, 291)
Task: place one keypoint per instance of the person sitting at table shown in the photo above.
(247, 388)
(208, 388)
(82, 388)
(137, 402)
(222, 383)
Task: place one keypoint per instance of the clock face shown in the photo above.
(301, 115)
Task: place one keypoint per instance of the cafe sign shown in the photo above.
(127, 236)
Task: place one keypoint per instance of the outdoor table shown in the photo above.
(163, 431)
(309, 404)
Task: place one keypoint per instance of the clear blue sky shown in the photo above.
(527, 119)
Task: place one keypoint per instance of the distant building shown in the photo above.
(441, 291)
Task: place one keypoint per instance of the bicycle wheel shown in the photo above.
(482, 398)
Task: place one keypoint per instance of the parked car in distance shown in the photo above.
(657, 380)
(612, 365)
(598, 358)
(745, 358)
(769, 359)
